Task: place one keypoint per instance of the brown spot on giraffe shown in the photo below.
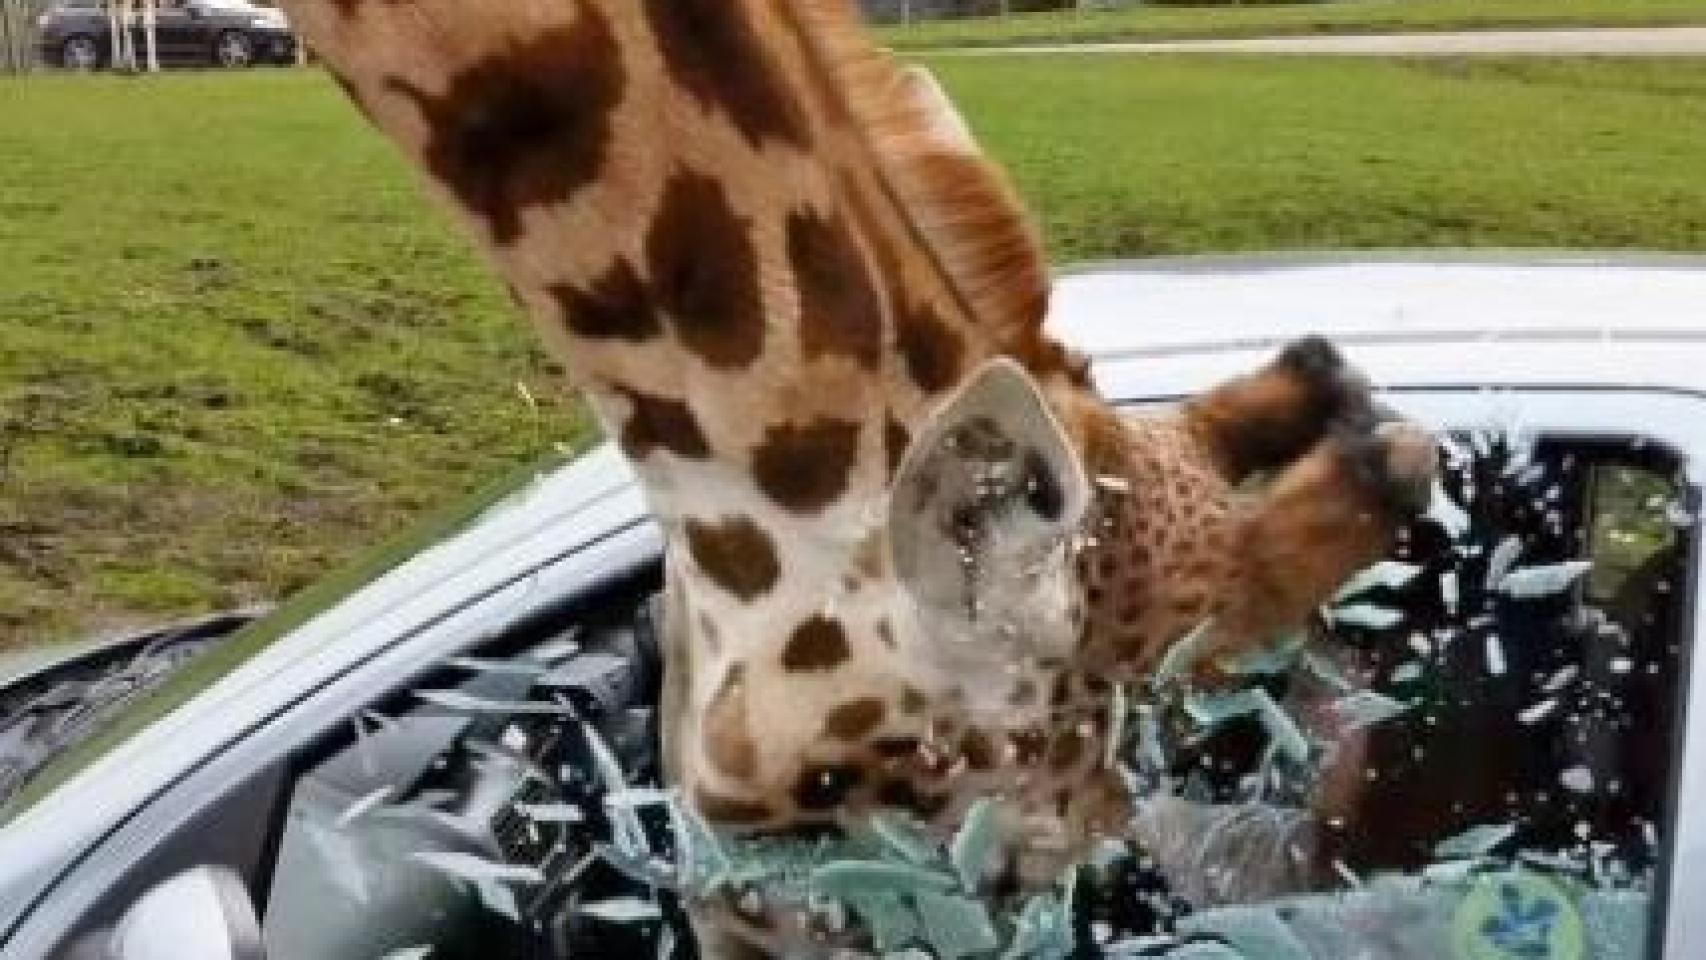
(1062, 691)
(1028, 746)
(854, 720)
(885, 635)
(1024, 692)
(1067, 750)
(704, 272)
(735, 554)
(975, 747)
(348, 8)
(527, 127)
(712, 50)
(933, 352)
(728, 810)
(615, 306)
(728, 739)
(840, 313)
(658, 423)
(901, 794)
(806, 468)
(896, 748)
(817, 644)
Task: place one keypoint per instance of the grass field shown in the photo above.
(1336, 16)
(237, 345)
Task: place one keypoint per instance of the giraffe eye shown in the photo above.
(1042, 491)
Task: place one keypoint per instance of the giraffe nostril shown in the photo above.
(1042, 491)
(826, 787)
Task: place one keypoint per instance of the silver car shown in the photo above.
(397, 763)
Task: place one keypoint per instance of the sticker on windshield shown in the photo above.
(1518, 916)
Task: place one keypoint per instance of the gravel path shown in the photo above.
(1621, 41)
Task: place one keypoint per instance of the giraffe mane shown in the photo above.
(962, 210)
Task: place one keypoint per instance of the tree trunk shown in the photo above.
(149, 34)
(8, 47)
(123, 53)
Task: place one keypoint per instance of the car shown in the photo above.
(1484, 749)
(78, 34)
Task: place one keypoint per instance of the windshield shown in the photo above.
(1473, 752)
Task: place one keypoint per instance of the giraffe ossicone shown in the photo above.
(910, 551)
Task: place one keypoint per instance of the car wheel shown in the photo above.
(80, 53)
(233, 50)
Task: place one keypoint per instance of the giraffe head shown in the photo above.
(1033, 549)
(852, 680)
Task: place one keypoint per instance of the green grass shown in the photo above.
(1134, 155)
(237, 345)
(1336, 16)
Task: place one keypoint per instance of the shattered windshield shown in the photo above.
(1470, 754)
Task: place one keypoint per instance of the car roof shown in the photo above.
(1202, 303)
(1168, 326)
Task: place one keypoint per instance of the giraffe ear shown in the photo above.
(946, 129)
(983, 509)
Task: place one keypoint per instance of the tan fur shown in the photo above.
(962, 207)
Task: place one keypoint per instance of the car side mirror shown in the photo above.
(202, 914)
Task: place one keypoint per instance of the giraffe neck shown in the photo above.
(700, 220)
(767, 257)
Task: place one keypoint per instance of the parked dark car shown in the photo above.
(78, 34)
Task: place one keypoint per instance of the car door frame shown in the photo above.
(1675, 417)
(612, 541)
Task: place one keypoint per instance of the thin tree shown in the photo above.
(14, 45)
(150, 21)
(119, 31)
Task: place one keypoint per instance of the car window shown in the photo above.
(463, 815)
(1474, 753)
(1471, 755)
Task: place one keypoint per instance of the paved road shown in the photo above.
(1621, 41)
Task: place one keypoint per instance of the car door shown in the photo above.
(180, 33)
(534, 542)
(1496, 758)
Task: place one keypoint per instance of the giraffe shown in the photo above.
(909, 548)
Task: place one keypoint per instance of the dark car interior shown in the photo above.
(508, 788)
